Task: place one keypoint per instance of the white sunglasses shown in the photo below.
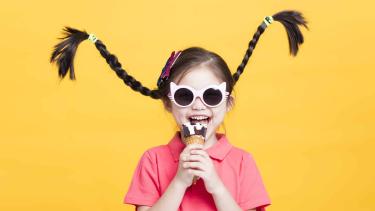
(211, 96)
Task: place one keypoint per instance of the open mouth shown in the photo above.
(200, 119)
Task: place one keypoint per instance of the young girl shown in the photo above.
(195, 86)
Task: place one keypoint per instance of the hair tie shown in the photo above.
(268, 20)
(168, 65)
(92, 38)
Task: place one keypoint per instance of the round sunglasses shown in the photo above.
(211, 96)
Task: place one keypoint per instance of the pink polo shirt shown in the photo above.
(236, 168)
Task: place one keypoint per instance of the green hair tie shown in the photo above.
(92, 38)
(268, 20)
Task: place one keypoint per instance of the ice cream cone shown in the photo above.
(194, 134)
(194, 139)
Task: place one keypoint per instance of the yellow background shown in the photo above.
(308, 121)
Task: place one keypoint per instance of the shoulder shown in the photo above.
(157, 149)
(240, 154)
(242, 161)
(153, 153)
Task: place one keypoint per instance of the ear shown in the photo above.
(230, 102)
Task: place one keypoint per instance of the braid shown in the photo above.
(248, 53)
(290, 20)
(121, 73)
(64, 53)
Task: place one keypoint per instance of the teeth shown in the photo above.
(199, 117)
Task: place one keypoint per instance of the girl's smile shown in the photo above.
(199, 78)
(200, 118)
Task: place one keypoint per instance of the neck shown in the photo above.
(210, 141)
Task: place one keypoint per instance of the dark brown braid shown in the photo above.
(64, 53)
(121, 73)
(290, 20)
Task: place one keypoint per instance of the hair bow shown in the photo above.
(167, 68)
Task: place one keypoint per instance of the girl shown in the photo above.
(195, 86)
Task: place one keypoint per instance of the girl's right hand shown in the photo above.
(183, 176)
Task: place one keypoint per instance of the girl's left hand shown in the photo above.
(200, 164)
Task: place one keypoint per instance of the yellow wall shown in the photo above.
(308, 121)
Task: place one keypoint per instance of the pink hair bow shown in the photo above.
(167, 68)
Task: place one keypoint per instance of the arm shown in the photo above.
(173, 195)
(170, 200)
(224, 200)
(206, 170)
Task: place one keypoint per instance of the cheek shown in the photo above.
(179, 114)
(219, 113)
(219, 118)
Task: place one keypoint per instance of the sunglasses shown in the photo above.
(211, 96)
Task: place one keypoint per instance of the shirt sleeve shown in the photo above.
(253, 194)
(144, 187)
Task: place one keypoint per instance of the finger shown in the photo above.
(195, 172)
(184, 156)
(199, 158)
(195, 165)
(200, 152)
(192, 146)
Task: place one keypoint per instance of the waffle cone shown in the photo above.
(194, 139)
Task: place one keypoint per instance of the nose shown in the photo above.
(198, 104)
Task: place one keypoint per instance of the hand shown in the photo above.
(200, 164)
(183, 176)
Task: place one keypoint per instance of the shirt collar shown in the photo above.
(218, 151)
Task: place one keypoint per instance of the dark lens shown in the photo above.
(183, 96)
(212, 96)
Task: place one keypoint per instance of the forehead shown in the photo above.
(200, 77)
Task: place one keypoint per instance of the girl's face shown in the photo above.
(199, 78)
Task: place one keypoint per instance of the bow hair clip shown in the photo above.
(167, 68)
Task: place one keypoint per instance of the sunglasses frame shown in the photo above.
(198, 93)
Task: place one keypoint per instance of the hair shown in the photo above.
(64, 52)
